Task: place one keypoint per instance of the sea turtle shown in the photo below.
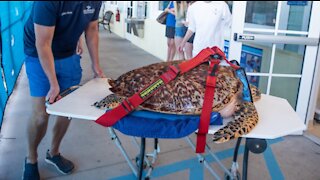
(185, 95)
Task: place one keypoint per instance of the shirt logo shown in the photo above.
(66, 13)
(88, 10)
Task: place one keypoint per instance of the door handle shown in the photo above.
(276, 39)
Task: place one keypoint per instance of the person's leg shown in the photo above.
(59, 130)
(53, 155)
(38, 122)
(188, 49)
(177, 41)
(171, 52)
(171, 49)
(179, 34)
(36, 128)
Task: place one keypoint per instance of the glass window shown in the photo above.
(295, 15)
(261, 12)
(142, 9)
(287, 88)
(289, 58)
(256, 56)
(259, 81)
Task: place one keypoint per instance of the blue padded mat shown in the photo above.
(159, 125)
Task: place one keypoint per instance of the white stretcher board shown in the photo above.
(276, 116)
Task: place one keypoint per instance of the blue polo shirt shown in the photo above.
(70, 19)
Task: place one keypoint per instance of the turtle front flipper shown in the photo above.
(245, 119)
(109, 102)
(255, 93)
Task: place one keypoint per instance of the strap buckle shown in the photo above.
(219, 52)
(127, 105)
(216, 56)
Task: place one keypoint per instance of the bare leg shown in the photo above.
(59, 130)
(188, 48)
(171, 49)
(36, 128)
(178, 41)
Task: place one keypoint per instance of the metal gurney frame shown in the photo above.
(79, 103)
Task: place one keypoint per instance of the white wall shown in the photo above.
(154, 40)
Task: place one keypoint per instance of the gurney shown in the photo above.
(275, 122)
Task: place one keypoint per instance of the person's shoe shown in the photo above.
(30, 171)
(63, 165)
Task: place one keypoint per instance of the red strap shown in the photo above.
(220, 53)
(194, 62)
(207, 107)
(111, 117)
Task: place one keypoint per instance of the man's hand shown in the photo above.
(98, 73)
(79, 50)
(53, 94)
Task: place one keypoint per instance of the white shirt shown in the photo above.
(208, 20)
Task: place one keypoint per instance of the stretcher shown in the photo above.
(276, 119)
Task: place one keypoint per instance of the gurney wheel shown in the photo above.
(227, 177)
(257, 146)
(138, 162)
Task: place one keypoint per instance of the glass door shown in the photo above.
(128, 20)
(276, 42)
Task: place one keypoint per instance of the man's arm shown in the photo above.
(92, 41)
(44, 36)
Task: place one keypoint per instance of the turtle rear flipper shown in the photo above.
(245, 119)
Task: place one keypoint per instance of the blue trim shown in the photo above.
(197, 170)
(272, 164)
(13, 14)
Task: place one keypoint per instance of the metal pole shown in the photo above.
(142, 151)
(245, 161)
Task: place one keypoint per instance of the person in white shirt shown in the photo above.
(208, 20)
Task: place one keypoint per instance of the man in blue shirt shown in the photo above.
(51, 35)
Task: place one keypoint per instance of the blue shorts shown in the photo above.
(68, 71)
(181, 31)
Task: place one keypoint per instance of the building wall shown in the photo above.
(12, 18)
(153, 40)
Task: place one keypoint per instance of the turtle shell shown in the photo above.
(184, 94)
